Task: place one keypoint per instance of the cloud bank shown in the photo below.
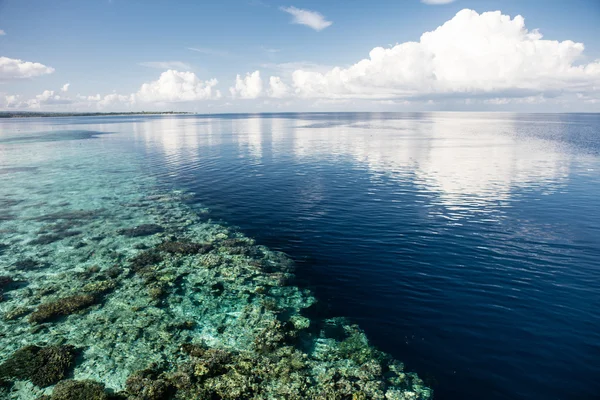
(470, 55)
(309, 18)
(487, 59)
(11, 68)
(46, 98)
(171, 87)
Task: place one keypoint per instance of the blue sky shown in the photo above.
(103, 47)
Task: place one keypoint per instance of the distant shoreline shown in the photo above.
(26, 114)
(4, 114)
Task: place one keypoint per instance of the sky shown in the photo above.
(274, 56)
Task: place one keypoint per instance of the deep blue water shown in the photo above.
(467, 245)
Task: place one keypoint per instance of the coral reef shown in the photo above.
(61, 307)
(142, 230)
(79, 390)
(54, 237)
(176, 308)
(69, 215)
(145, 259)
(100, 287)
(29, 264)
(184, 247)
(43, 366)
(5, 282)
(285, 372)
(148, 385)
(16, 312)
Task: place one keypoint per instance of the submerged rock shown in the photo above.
(61, 307)
(43, 366)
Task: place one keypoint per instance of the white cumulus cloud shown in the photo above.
(2, 33)
(97, 97)
(109, 101)
(173, 86)
(113, 99)
(277, 88)
(11, 68)
(472, 54)
(312, 19)
(249, 87)
(12, 101)
(47, 98)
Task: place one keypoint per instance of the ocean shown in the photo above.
(381, 254)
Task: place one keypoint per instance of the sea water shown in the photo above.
(465, 245)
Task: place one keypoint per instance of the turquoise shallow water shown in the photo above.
(465, 245)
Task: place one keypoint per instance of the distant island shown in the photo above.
(27, 114)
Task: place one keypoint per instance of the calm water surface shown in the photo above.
(467, 245)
